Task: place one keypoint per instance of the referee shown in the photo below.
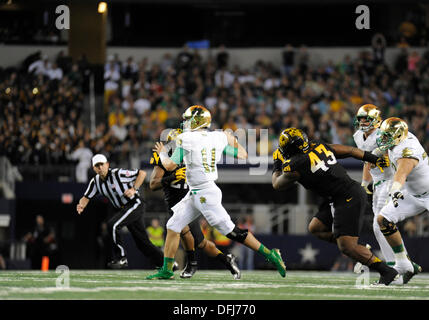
(121, 187)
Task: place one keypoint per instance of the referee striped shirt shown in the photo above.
(114, 186)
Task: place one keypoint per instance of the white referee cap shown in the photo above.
(98, 158)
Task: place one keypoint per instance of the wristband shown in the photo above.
(163, 156)
(369, 157)
(365, 183)
(396, 186)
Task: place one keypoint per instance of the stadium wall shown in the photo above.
(13, 55)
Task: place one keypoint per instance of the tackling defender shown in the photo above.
(201, 150)
(175, 189)
(314, 165)
(409, 193)
(375, 181)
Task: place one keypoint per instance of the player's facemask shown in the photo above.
(293, 141)
(367, 118)
(196, 117)
(392, 132)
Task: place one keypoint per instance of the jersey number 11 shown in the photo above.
(208, 168)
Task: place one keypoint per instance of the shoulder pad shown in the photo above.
(407, 152)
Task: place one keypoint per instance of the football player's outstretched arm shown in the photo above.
(232, 141)
(156, 178)
(284, 180)
(342, 151)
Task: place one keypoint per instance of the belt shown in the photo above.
(194, 191)
(132, 201)
(378, 183)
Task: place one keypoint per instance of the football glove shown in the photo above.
(180, 174)
(383, 162)
(395, 197)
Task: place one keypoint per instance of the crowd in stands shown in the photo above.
(40, 115)
(41, 104)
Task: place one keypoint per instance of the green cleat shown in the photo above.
(162, 274)
(408, 275)
(276, 259)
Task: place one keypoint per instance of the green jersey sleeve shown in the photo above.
(231, 151)
(178, 155)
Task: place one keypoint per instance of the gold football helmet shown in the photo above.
(172, 135)
(196, 117)
(292, 141)
(369, 113)
(392, 131)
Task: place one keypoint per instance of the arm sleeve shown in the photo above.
(231, 151)
(91, 191)
(178, 155)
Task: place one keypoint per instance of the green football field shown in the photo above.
(205, 285)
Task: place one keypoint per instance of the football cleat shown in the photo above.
(404, 266)
(175, 266)
(388, 277)
(162, 274)
(408, 275)
(392, 131)
(190, 269)
(236, 273)
(118, 264)
(276, 259)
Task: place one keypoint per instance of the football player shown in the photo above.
(314, 165)
(200, 150)
(409, 192)
(173, 183)
(376, 182)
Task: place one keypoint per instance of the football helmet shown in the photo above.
(196, 117)
(292, 141)
(392, 131)
(172, 135)
(370, 114)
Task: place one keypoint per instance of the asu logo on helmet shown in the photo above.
(196, 117)
(292, 141)
(392, 131)
(172, 135)
(368, 117)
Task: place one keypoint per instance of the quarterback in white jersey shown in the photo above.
(409, 192)
(200, 150)
(368, 121)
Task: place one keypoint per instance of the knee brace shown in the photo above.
(387, 228)
(238, 234)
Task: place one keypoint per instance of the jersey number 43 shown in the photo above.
(317, 163)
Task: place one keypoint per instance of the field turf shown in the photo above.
(205, 285)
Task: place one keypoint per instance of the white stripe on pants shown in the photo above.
(127, 213)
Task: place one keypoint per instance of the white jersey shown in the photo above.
(417, 182)
(203, 150)
(370, 144)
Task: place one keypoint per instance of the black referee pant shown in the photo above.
(131, 216)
